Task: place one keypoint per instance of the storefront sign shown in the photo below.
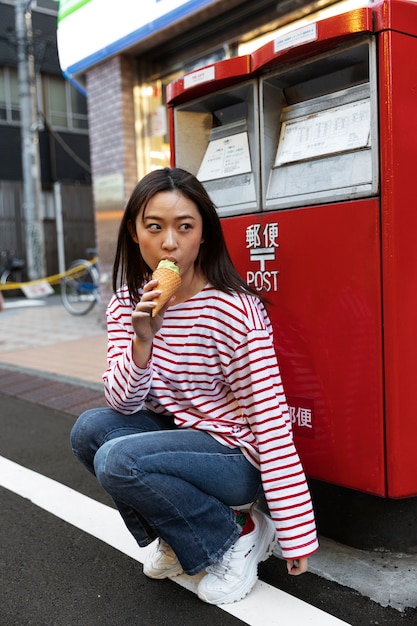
(92, 30)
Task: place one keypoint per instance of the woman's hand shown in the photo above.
(295, 567)
(144, 325)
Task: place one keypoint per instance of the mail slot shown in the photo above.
(216, 134)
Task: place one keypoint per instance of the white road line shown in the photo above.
(264, 605)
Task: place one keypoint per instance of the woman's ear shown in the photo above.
(132, 231)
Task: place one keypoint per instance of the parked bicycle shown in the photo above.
(80, 285)
(11, 268)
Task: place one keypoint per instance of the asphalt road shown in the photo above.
(54, 574)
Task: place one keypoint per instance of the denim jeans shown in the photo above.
(177, 484)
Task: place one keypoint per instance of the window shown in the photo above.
(9, 95)
(151, 127)
(50, 5)
(65, 107)
(43, 6)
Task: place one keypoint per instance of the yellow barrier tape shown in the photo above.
(52, 280)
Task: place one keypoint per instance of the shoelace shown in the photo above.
(221, 568)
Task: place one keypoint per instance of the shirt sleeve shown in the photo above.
(126, 385)
(256, 383)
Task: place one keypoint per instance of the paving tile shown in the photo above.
(55, 359)
(70, 399)
(92, 403)
(66, 397)
(46, 391)
(20, 386)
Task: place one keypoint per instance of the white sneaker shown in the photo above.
(233, 577)
(161, 561)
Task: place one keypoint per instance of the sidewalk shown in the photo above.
(50, 357)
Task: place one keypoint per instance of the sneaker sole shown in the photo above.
(163, 574)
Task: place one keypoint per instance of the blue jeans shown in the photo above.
(174, 483)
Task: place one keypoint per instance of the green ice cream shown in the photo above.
(169, 265)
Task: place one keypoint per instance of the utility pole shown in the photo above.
(32, 199)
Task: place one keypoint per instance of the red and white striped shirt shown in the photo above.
(213, 367)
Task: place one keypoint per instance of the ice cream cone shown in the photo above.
(169, 281)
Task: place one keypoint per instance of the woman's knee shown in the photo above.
(89, 432)
(108, 463)
(85, 428)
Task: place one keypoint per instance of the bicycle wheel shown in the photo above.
(79, 290)
(11, 276)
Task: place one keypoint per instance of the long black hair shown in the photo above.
(213, 259)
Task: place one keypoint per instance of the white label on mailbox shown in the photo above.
(225, 157)
(295, 38)
(199, 76)
(262, 242)
(341, 129)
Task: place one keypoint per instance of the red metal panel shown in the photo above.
(398, 133)
(399, 15)
(325, 293)
(171, 127)
(329, 32)
(208, 79)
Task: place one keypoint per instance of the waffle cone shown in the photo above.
(168, 283)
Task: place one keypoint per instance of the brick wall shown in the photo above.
(111, 121)
(113, 153)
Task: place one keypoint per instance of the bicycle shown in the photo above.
(80, 285)
(11, 268)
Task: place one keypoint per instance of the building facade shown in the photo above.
(62, 132)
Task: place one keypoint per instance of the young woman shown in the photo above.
(198, 424)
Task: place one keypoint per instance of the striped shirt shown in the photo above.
(214, 368)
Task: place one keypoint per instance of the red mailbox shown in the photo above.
(215, 130)
(329, 239)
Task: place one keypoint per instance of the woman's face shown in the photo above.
(170, 227)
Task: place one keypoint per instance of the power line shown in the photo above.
(65, 146)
